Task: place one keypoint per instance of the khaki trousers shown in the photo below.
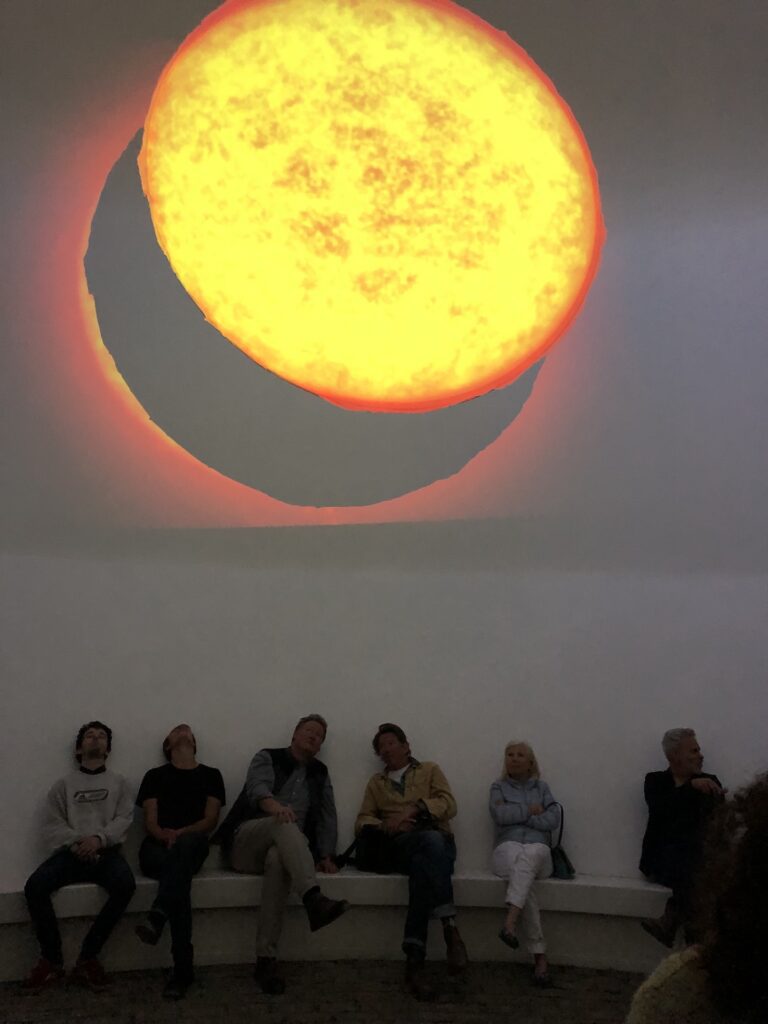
(279, 852)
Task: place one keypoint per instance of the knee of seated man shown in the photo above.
(272, 856)
(33, 885)
(122, 880)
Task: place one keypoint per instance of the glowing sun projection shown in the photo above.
(385, 202)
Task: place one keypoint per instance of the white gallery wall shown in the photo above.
(590, 666)
(600, 572)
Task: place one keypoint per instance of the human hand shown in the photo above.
(284, 815)
(535, 809)
(397, 823)
(328, 866)
(708, 786)
(88, 848)
(171, 835)
(402, 821)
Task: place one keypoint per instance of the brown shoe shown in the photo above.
(456, 951)
(43, 975)
(416, 981)
(90, 974)
(321, 910)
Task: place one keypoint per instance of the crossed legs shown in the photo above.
(279, 852)
(174, 869)
(521, 864)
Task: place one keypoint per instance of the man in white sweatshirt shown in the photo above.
(88, 814)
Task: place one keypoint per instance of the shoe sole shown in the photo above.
(508, 939)
(147, 935)
(652, 929)
(542, 981)
(174, 995)
(90, 985)
(458, 967)
(32, 990)
(422, 995)
(334, 915)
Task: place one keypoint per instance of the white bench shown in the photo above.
(219, 888)
(590, 920)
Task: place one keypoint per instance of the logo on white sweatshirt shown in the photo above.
(90, 796)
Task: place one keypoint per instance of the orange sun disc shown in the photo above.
(383, 201)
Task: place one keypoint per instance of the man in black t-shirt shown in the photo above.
(181, 802)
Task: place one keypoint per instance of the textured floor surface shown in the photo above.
(348, 992)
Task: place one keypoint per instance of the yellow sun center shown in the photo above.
(382, 201)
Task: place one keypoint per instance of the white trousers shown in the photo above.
(521, 864)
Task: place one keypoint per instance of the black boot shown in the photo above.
(321, 910)
(664, 928)
(182, 975)
(416, 979)
(268, 976)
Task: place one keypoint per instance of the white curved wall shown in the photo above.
(592, 667)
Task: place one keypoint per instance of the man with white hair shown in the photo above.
(679, 800)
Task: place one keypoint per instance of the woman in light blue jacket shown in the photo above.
(524, 814)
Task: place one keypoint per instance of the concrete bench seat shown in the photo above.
(219, 888)
(589, 921)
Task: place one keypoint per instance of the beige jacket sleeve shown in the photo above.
(440, 801)
(370, 810)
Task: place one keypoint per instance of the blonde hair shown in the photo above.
(533, 771)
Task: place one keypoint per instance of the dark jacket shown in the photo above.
(676, 815)
(283, 764)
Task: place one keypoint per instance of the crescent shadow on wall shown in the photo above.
(237, 417)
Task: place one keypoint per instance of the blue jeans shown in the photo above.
(174, 869)
(427, 858)
(110, 870)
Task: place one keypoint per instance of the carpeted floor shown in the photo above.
(341, 992)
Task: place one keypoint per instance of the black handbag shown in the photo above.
(561, 862)
(372, 850)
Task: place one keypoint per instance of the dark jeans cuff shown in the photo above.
(414, 949)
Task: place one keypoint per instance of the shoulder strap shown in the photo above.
(555, 803)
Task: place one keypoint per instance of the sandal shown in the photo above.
(509, 938)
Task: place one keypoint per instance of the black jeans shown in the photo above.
(110, 870)
(677, 866)
(427, 858)
(174, 869)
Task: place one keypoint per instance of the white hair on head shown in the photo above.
(533, 771)
(670, 741)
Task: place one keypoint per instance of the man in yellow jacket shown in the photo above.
(403, 825)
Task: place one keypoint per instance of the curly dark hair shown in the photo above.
(733, 905)
(84, 729)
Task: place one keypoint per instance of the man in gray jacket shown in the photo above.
(283, 825)
(88, 814)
